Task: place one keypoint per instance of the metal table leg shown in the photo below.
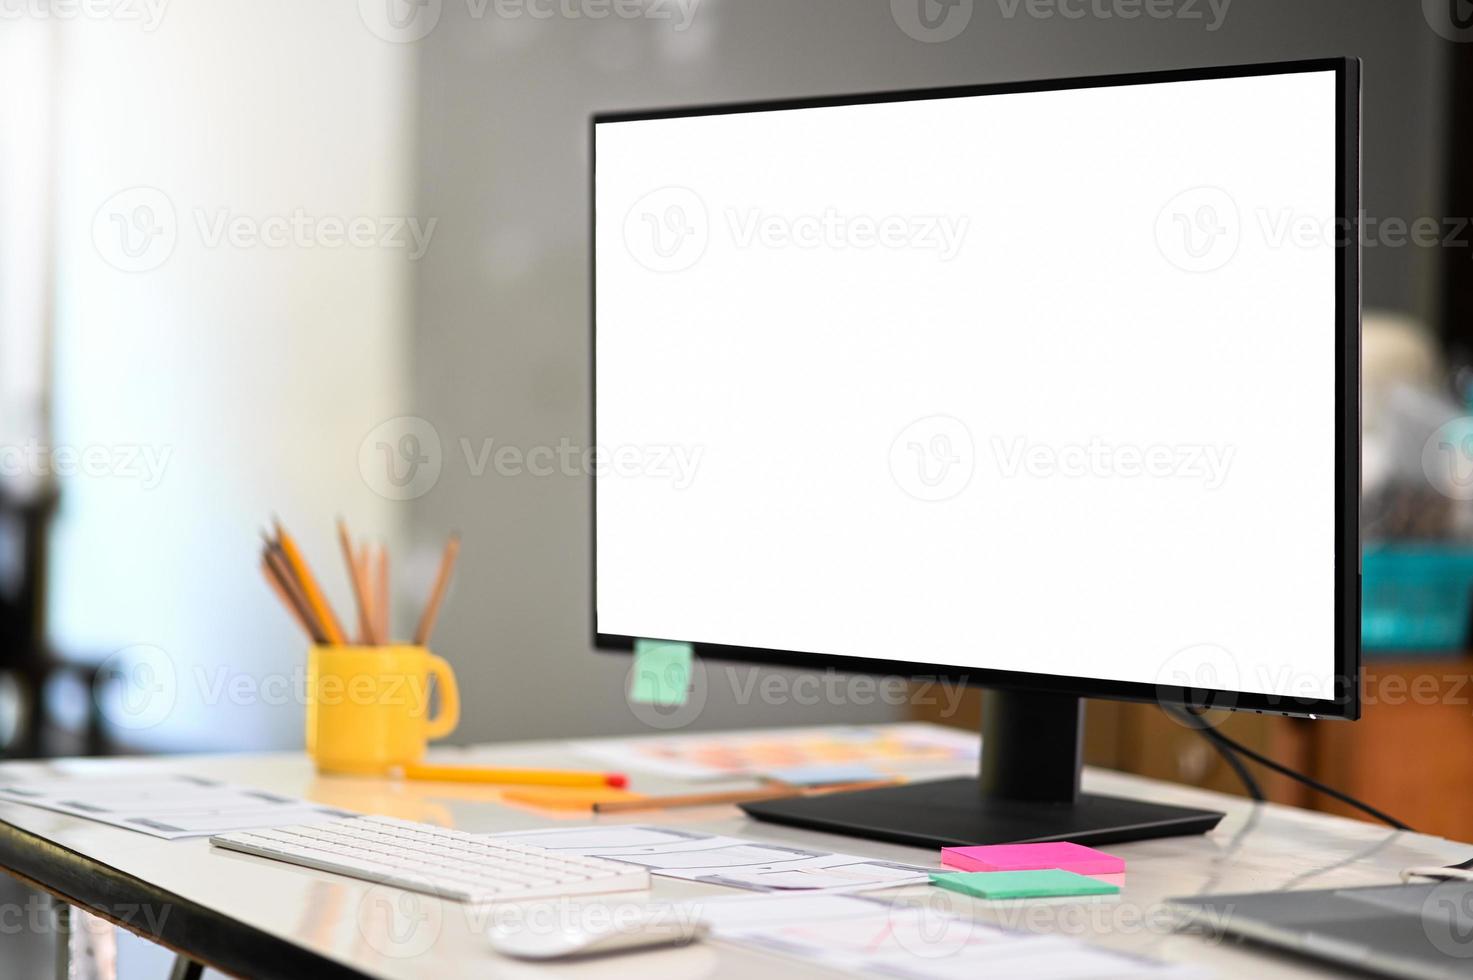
(185, 969)
(86, 946)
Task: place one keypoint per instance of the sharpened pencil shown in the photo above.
(315, 599)
(381, 584)
(279, 587)
(355, 579)
(733, 796)
(437, 594)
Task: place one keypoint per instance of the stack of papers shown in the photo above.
(718, 860)
(923, 941)
(168, 806)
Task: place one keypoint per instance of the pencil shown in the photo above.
(364, 570)
(282, 573)
(382, 600)
(731, 796)
(520, 777)
(315, 599)
(279, 587)
(360, 600)
(437, 594)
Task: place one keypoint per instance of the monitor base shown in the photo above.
(1027, 791)
(956, 812)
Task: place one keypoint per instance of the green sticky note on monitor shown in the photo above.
(661, 672)
(1021, 884)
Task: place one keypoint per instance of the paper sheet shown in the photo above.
(863, 935)
(901, 747)
(728, 861)
(167, 806)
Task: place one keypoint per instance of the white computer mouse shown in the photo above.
(593, 933)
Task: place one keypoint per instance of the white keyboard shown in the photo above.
(448, 863)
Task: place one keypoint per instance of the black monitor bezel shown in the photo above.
(1346, 703)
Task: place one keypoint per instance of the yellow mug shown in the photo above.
(368, 708)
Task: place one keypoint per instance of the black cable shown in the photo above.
(1218, 738)
(1195, 720)
(1249, 781)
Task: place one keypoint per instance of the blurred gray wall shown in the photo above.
(501, 310)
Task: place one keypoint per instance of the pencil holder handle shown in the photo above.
(448, 717)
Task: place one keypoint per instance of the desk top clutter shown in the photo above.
(298, 911)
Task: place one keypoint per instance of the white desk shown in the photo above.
(238, 912)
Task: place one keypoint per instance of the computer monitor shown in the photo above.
(1049, 387)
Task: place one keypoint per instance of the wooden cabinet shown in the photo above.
(1411, 754)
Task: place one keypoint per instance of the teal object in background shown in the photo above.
(1415, 597)
(661, 673)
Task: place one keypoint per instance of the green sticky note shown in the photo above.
(1021, 884)
(661, 672)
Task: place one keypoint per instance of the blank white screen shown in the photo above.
(1088, 431)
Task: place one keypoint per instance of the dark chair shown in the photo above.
(26, 657)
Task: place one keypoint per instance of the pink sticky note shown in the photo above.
(1033, 857)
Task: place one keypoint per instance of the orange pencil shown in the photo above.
(360, 600)
(315, 599)
(279, 588)
(282, 573)
(437, 594)
(733, 796)
(382, 585)
(365, 575)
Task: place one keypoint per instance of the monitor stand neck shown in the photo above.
(1028, 790)
(1032, 746)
